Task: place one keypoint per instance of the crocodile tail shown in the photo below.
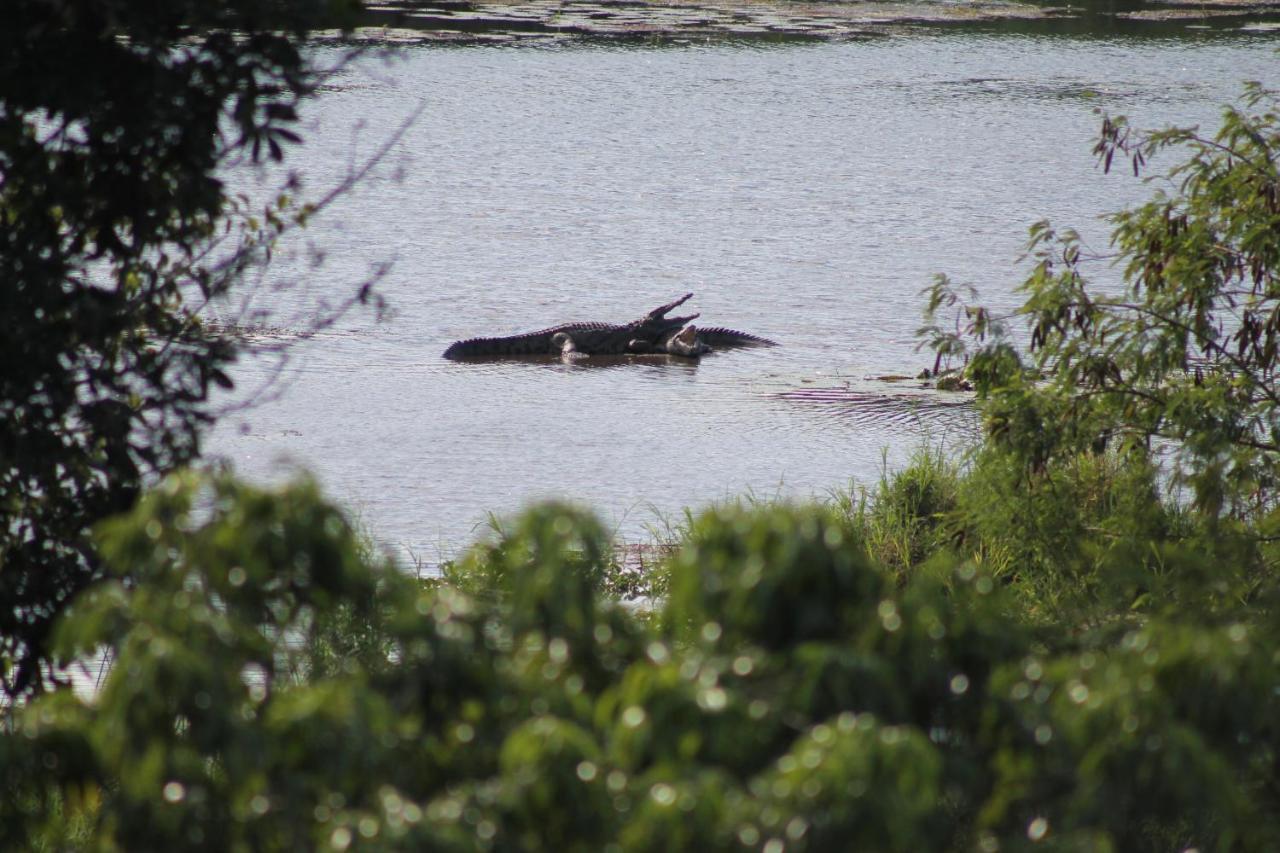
(534, 344)
(718, 336)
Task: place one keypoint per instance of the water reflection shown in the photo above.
(638, 361)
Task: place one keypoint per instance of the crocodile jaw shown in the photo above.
(686, 343)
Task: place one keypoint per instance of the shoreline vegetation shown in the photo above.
(956, 659)
(511, 21)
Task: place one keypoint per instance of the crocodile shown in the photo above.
(654, 333)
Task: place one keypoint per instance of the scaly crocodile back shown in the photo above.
(533, 343)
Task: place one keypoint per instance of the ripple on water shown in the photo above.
(920, 411)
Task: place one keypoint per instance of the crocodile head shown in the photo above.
(655, 328)
(686, 343)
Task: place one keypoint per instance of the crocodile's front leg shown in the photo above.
(564, 343)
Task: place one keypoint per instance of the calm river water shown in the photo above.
(806, 193)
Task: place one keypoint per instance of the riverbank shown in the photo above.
(506, 21)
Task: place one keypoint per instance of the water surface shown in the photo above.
(806, 193)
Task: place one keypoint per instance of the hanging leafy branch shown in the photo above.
(115, 231)
(1185, 350)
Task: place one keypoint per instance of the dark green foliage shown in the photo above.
(854, 782)
(885, 710)
(1130, 453)
(772, 580)
(1085, 535)
(555, 603)
(50, 778)
(907, 516)
(114, 232)
(1186, 352)
(1171, 720)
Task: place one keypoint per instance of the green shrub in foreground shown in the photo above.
(789, 694)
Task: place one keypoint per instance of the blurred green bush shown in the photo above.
(792, 692)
